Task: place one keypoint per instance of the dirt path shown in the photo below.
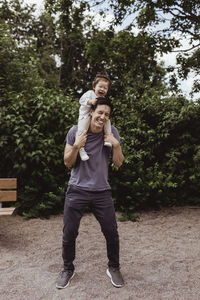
(160, 258)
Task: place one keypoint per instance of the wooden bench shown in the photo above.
(8, 193)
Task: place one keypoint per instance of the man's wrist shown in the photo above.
(116, 144)
(76, 147)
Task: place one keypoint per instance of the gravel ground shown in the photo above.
(160, 258)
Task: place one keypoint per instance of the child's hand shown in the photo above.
(92, 102)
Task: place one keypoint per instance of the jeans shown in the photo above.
(103, 209)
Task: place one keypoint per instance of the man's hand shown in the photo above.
(80, 139)
(109, 137)
(117, 155)
(71, 152)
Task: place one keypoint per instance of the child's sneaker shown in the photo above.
(83, 154)
(107, 144)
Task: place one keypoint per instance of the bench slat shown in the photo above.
(8, 183)
(8, 196)
(8, 193)
(7, 211)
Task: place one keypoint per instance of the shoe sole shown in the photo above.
(84, 159)
(63, 287)
(108, 144)
(114, 284)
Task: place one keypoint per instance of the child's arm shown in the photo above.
(92, 102)
(88, 98)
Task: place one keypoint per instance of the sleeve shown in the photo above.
(70, 137)
(89, 95)
(115, 133)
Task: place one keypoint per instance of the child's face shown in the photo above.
(101, 88)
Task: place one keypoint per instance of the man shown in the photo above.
(88, 186)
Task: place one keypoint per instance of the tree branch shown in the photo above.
(187, 50)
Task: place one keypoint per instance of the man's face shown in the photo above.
(99, 117)
(101, 88)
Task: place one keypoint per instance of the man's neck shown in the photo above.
(95, 129)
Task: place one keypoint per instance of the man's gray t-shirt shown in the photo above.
(91, 174)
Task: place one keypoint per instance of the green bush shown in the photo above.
(161, 144)
(33, 128)
(160, 141)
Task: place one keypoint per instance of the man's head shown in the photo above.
(100, 113)
(101, 84)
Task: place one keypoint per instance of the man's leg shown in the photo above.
(104, 212)
(72, 219)
(73, 211)
(103, 209)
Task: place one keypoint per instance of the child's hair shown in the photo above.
(99, 76)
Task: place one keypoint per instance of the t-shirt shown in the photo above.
(91, 174)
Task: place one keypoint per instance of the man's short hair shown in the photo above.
(103, 101)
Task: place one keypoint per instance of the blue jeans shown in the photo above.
(103, 208)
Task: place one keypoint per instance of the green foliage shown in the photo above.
(160, 140)
(28, 48)
(71, 23)
(33, 128)
(169, 22)
(127, 216)
(18, 69)
(130, 60)
(159, 132)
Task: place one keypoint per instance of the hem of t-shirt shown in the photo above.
(107, 188)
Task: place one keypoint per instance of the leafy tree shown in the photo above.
(18, 64)
(47, 49)
(27, 48)
(70, 25)
(169, 22)
(85, 50)
(129, 59)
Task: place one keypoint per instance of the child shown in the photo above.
(100, 86)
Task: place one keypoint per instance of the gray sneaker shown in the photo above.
(115, 276)
(64, 279)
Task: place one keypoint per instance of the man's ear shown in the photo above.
(91, 112)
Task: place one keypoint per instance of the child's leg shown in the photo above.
(83, 124)
(107, 129)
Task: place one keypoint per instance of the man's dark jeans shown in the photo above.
(102, 207)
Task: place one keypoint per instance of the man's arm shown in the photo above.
(71, 151)
(117, 155)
